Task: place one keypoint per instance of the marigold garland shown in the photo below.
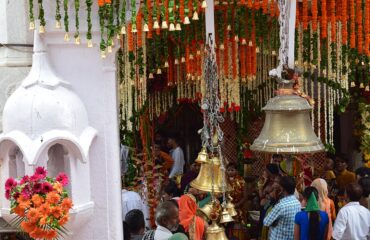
(324, 20)
(352, 41)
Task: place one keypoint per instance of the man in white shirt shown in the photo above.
(353, 220)
(132, 200)
(167, 220)
(178, 157)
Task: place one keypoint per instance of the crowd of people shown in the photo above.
(293, 202)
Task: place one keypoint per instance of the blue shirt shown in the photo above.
(302, 220)
(281, 218)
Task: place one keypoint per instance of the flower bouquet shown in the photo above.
(41, 204)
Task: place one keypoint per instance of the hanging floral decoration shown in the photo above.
(162, 46)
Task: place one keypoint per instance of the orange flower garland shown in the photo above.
(264, 6)
(101, 3)
(359, 26)
(344, 18)
(333, 21)
(367, 28)
(324, 20)
(352, 40)
(130, 38)
(305, 14)
(272, 8)
(139, 27)
(314, 14)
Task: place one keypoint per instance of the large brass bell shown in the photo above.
(215, 232)
(204, 181)
(202, 156)
(231, 209)
(225, 217)
(287, 127)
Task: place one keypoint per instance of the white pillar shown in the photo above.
(14, 60)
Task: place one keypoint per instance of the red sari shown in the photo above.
(192, 224)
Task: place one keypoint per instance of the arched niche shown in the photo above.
(16, 163)
(59, 161)
(64, 155)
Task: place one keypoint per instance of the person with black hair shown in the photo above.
(311, 223)
(170, 191)
(281, 218)
(362, 172)
(343, 176)
(353, 220)
(135, 224)
(178, 157)
(365, 184)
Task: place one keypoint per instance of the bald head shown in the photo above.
(354, 192)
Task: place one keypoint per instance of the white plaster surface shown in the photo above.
(93, 80)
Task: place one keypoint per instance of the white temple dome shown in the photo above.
(37, 109)
(44, 102)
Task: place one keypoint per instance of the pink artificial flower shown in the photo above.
(36, 177)
(41, 171)
(37, 187)
(24, 180)
(26, 192)
(7, 194)
(62, 178)
(10, 184)
(16, 195)
(46, 187)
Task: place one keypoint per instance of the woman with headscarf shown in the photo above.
(193, 224)
(325, 203)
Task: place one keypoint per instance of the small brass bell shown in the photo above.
(204, 179)
(202, 156)
(226, 217)
(231, 209)
(206, 211)
(215, 232)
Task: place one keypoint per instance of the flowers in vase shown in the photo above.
(41, 204)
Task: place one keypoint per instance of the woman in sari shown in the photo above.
(325, 203)
(195, 226)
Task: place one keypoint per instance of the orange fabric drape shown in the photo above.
(168, 161)
(188, 217)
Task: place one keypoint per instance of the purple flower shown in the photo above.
(24, 179)
(46, 187)
(7, 194)
(41, 171)
(10, 184)
(37, 187)
(62, 178)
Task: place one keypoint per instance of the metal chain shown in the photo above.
(284, 34)
(212, 116)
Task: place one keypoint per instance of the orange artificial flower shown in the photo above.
(101, 3)
(20, 211)
(51, 234)
(43, 220)
(44, 209)
(27, 226)
(52, 198)
(25, 203)
(108, 1)
(37, 233)
(66, 204)
(58, 187)
(37, 200)
(56, 212)
(63, 220)
(33, 215)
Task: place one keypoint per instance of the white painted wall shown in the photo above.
(94, 81)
